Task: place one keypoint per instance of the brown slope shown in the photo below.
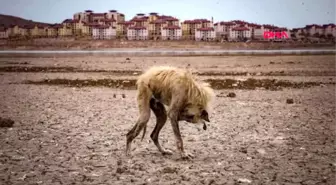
(8, 20)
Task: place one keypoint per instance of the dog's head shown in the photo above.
(194, 114)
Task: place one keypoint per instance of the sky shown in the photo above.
(284, 13)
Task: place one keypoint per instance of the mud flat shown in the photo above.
(71, 116)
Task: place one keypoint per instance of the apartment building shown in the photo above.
(122, 28)
(23, 31)
(65, 31)
(158, 23)
(140, 20)
(314, 30)
(205, 34)
(137, 33)
(89, 16)
(189, 27)
(103, 32)
(240, 32)
(52, 30)
(14, 30)
(4, 32)
(171, 32)
(329, 30)
(222, 29)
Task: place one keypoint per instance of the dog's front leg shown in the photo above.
(173, 115)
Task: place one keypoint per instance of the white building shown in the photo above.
(104, 32)
(137, 33)
(240, 32)
(171, 33)
(4, 33)
(222, 29)
(258, 32)
(206, 34)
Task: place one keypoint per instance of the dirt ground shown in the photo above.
(71, 43)
(70, 124)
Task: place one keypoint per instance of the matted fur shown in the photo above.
(163, 79)
(187, 99)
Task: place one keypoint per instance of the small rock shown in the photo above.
(123, 96)
(128, 59)
(120, 170)
(243, 150)
(261, 151)
(244, 180)
(114, 95)
(231, 95)
(169, 170)
(289, 101)
(272, 63)
(5, 122)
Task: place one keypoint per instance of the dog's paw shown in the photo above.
(167, 152)
(187, 156)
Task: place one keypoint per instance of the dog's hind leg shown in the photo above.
(161, 118)
(143, 98)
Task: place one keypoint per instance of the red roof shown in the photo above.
(327, 25)
(254, 25)
(68, 21)
(126, 23)
(171, 19)
(205, 29)
(109, 20)
(312, 25)
(240, 28)
(102, 26)
(158, 21)
(196, 21)
(172, 27)
(3, 29)
(93, 24)
(227, 23)
(280, 29)
(137, 28)
(57, 26)
(140, 19)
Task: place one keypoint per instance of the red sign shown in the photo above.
(272, 35)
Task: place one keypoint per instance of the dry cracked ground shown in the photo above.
(273, 122)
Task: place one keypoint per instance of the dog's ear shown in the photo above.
(205, 115)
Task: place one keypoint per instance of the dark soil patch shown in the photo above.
(252, 84)
(249, 84)
(113, 83)
(271, 73)
(36, 69)
(5, 122)
(17, 63)
(62, 69)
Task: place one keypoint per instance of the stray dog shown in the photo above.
(188, 100)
